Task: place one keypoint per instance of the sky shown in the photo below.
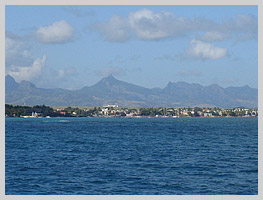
(75, 46)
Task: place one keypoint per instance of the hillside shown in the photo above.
(109, 90)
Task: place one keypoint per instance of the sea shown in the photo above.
(131, 156)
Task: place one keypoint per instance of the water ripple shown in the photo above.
(131, 156)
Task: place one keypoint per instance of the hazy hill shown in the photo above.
(112, 91)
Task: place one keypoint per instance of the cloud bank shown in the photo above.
(148, 25)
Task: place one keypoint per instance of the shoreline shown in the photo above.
(25, 117)
(116, 111)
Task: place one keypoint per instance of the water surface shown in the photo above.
(128, 156)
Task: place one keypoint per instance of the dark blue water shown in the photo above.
(131, 156)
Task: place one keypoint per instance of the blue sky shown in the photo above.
(75, 46)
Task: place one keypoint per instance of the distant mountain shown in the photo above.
(109, 90)
(10, 83)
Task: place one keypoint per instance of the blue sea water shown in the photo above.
(131, 156)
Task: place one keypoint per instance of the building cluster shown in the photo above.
(216, 112)
(115, 111)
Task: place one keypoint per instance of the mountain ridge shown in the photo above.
(110, 90)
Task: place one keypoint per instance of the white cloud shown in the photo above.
(143, 24)
(203, 50)
(27, 73)
(115, 30)
(58, 32)
(148, 25)
(22, 63)
(17, 51)
(13, 47)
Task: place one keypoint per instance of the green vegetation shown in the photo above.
(115, 111)
(16, 111)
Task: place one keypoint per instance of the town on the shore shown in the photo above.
(116, 111)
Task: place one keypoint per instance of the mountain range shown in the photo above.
(109, 90)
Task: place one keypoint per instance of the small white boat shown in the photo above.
(47, 116)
